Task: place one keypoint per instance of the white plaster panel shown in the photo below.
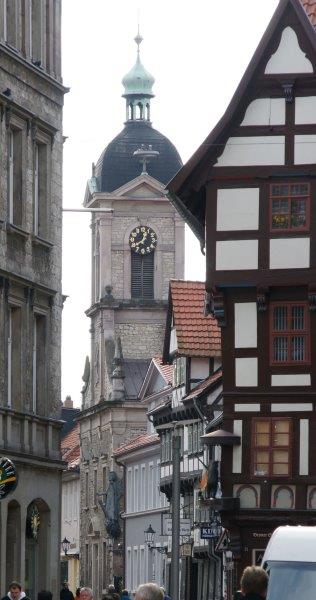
(246, 372)
(305, 110)
(304, 446)
(291, 380)
(289, 58)
(265, 111)
(302, 407)
(247, 408)
(237, 209)
(304, 149)
(245, 325)
(200, 368)
(252, 151)
(237, 450)
(289, 253)
(236, 255)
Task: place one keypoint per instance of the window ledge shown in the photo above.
(15, 230)
(38, 241)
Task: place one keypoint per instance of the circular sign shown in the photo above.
(8, 477)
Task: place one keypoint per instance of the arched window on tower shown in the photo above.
(143, 241)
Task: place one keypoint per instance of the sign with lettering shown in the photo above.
(8, 477)
(185, 527)
(209, 532)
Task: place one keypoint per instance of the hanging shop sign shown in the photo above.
(185, 527)
(8, 477)
(210, 531)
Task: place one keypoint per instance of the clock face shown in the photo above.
(143, 240)
(8, 477)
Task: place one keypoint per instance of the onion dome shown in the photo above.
(138, 82)
(138, 148)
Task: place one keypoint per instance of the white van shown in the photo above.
(290, 560)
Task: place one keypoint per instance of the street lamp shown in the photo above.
(65, 544)
(150, 538)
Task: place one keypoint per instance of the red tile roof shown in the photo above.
(197, 334)
(70, 447)
(166, 370)
(146, 439)
(201, 387)
(310, 8)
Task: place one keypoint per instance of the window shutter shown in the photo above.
(142, 276)
(148, 275)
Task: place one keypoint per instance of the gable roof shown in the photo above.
(141, 441)
(70, 447)
(197, 334)
(186, 190)
(203, 386)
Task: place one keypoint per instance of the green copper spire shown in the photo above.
(138, 85)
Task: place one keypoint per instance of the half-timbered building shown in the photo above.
(249, 194)
(193, 346)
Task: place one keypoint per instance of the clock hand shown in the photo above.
(141, 241)
(7, 480)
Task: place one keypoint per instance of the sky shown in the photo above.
(197, 52)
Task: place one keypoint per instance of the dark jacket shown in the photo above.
(166, 597)
(253, 597)
(66, 594)
(24, 597)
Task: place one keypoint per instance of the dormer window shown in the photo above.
(289, 207)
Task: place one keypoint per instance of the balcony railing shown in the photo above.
(25, 433)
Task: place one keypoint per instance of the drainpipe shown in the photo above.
(217, 565)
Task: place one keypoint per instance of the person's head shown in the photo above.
(254, 580)
(15, 589)
(149, 591)
(65, 584)
(45, 595)
(78, 592)
(111, 588)
(86, 593)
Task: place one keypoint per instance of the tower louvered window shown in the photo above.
(142, 268)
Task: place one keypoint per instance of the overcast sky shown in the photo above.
(197, 51)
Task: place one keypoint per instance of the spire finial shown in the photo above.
(138, 39)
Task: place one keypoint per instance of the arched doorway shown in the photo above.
(13, 543)
(37, 547)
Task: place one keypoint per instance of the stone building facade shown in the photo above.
(31, 101)
(137, 246)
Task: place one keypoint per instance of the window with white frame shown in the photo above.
(136, 489)
(179, 371)
(129, 489)
(195, 431)
(135, 568)
(129, 583)
(143, 487)
(151, 485)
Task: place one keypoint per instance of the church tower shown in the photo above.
(137, 247)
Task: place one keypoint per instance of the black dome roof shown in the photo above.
(117, 165)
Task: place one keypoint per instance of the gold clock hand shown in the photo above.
(7, 480)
